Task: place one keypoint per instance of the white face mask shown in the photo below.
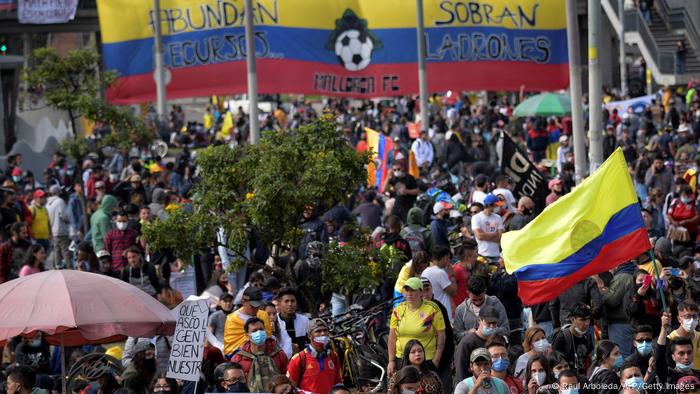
(541, 345)
(539, 377)
(579, 331)
(690, 324)
(407, 391)
(121, 226)
(323, 340)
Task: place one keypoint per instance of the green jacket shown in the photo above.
(613, 301)
(101, 220)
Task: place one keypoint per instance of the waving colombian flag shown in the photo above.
(377, 170)
(590, 230)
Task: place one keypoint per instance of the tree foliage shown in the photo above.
(74, 83)
(263, 189)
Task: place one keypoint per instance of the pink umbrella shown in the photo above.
(75, 308)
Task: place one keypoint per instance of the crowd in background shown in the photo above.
(457, 324)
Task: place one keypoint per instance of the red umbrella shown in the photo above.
(75, 308)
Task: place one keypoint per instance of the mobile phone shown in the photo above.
(675, 272)
(648, 280)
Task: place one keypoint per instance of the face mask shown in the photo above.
(635, 382)
(541, 345)
(238, 387)
(500, 364)
(398, 174)
(643, 348)
(684, 367)
(258, 337)
(487, 331)
(16, 178)
(321, 340)
(690, 324)
(539, 377)
(121, 226)
(579, 331)
(618, 362)
(36, 342)
(569, 391)
(556, 375)
(686, 200)
(407, 391)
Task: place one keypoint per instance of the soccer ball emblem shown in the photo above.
(353, 42)
(354, 50)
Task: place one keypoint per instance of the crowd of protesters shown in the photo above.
(457, 324)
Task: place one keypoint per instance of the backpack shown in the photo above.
(415, 239)
(569, 346)
(262, 369)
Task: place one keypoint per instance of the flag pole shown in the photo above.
(658, 280)
(422, 74)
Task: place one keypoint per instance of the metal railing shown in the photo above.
(679, 19)
(665, 60)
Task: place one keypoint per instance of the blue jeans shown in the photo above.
(622, 334)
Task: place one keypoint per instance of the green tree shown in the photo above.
(264, 189)
(74, 84)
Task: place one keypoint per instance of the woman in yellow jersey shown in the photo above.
(418, 319)
(413, 268)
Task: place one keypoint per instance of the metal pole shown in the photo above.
(623, 65)
(595, 87)
(63, 364)
(422, 75)
(161, 99)
(575, 89)
(252, 75)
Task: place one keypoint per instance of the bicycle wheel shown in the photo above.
(353, 377)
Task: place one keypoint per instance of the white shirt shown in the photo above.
(490, 225)
(478, 196)
(423, 150)
(439, 281)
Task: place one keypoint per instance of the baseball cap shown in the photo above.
(440, 206)
(554, 182)
(103, 253)
(492, 200)
(488, 314)
(16, 171)
(315, 324)
(55, 189)
(413, 283)
(39, 193)
(663, 246)
(480, 353)
(563, 138)
(254, 296)
(425, 281)
(142, 346)
(683, 128)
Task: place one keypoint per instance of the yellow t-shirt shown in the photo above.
(422, 324)
(234, 331)
(40, 223)
(696, 342)
(404, 274)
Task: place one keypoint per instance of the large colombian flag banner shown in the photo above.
(351, 48)
(590, 230)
